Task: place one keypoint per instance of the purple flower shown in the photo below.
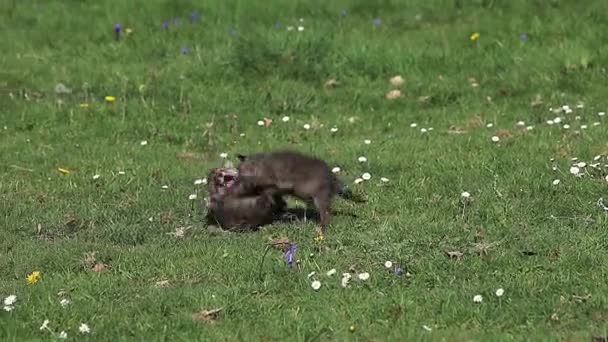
(377, 21)
(398, 270)
(175, 20)
(193, 16)
(165, 24)
(343, 13)
(117, 28)
(288, 256)
(184, 50)
(523, 36)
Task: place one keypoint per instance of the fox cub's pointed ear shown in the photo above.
(241, 157)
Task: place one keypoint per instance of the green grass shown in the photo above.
(546, 244)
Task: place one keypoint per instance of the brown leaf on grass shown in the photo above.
(99, 267)
(162, 283)
(89, 260)
(554, 317)
(280, 243)
(599, 338)
(473, 82)
(331, 83)
(393, 94)
(190, 156)
(267, 122)
(456, 130)
(474, 122)
(424, 99)
(454, 254)
(503, 134)
(396, 80)
(538, 100)
(207, 316)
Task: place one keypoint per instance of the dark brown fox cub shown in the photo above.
(290, 173)
(238, 213)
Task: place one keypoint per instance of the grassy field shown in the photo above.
(498, 98)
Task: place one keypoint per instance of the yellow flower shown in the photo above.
(319, 238)
(64, 171)
(128, 30)
(474, 36)
(84, 105)
(33, 277)
(110, 98)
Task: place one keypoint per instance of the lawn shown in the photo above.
(488, 161)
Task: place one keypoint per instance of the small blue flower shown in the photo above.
(523, 36)
(398, 270)
(377, 21)
(343, 13)
(165, 24)
(184, 50)
(193, 16)
(232, 32)
(277, 25)
(117, 28)
(175, 20)
(289, 256)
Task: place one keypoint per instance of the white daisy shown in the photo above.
(144, 143)
(465, 195)
(311, 274)
(334, 129)
(242, 135)
(583, 126)
(413, 125)
(192, 197)
(121, 172)
(596, 124)
(10, 300)
(575, 170)
(285, 119)
(423, 130)
(384, 180)
(335, 169)
(306, 126)
(388, 264)
(520, 123)
(223, 155)
(549, 122)
(8, 308)
(367, 141)
(362, 159)
(260, 123)
(598, 157)
(581, 164)
(331, 272)
(96, 176)
(84, 328)
(300, 28)
(495, 139)
(500, 292)
(566, 126)
(198, 182)
(64, 302)
(45, 324)
(477, 299)
(366, 176)
(601, 113)
(490, 125)
(164, 187)
(529, 128)
(556, 182)
(316, 285)
(363, 276)
(63, 335)
(358, 180)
